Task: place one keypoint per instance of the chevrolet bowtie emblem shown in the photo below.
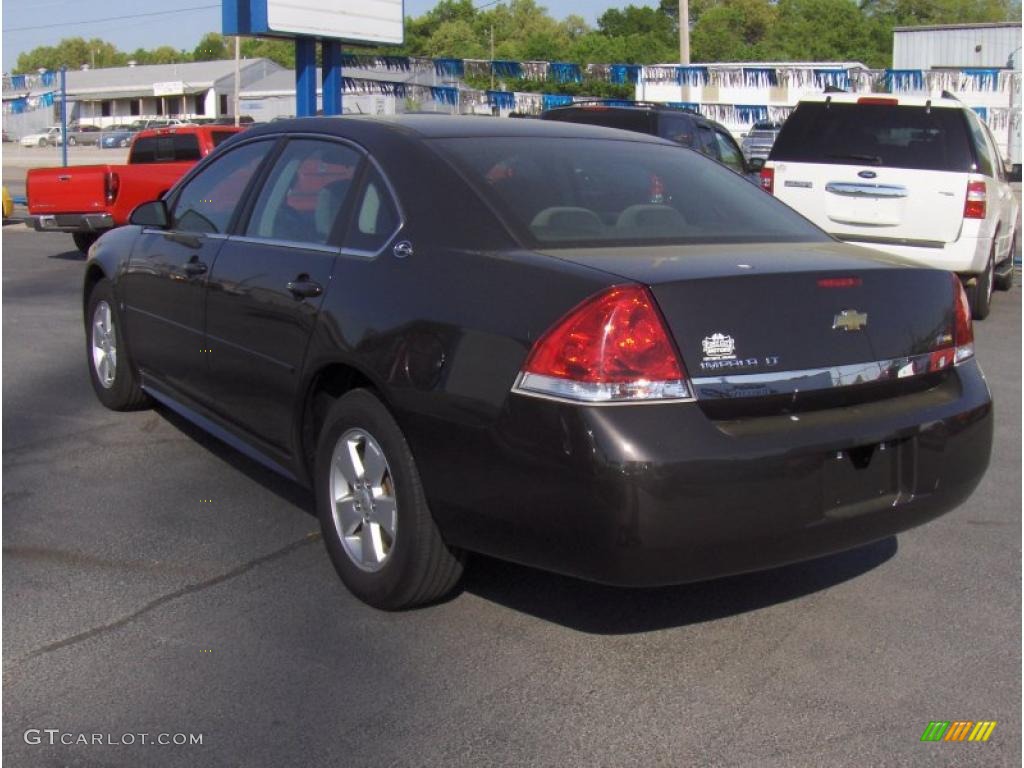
(850, 320)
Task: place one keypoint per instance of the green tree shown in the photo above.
(732, 30)
(212, 47)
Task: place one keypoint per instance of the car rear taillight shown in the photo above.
(768, 180)
(974, 206)
(876, 100)
(963, 328)
(111, 186)
(612, 348)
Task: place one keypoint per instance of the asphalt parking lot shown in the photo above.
(157, 582)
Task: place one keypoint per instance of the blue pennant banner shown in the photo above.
(552, 100)
(444, 94)
(18, 82)
(751, 113)
(449, 67)
(758, 77)
(693, 106)
(624, 73)
(692, 75)
(984, 79)
(510, 69)
(904, 80)
(501, 99)
(562, 72)
(839, 78)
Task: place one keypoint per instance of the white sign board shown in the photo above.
(371, 21)
(168, 89)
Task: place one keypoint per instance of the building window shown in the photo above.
(173, 105)
(159, 106)
(200, 104)
(106, 108)
(223, 103)
(135, 107)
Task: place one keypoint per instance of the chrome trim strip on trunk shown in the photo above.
(817, 379)
(874, 240)
(858, 189)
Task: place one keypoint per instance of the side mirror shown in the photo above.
(755, 164)
(153, 214)
(1013, 173)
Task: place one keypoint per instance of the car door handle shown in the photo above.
(194, 267)
(304, 288)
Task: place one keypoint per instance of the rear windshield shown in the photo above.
(875, 134)
(578, 192)
(165, 149)
(638, 120)
(221, 136)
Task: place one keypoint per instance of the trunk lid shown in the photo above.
(767, 311)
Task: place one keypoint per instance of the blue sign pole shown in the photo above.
(332, 77)
(64, 116)
(305, 76)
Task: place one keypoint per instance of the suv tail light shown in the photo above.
(768, 180)
(974, 206)
(963, 328)
(111, 186)
(612, 348)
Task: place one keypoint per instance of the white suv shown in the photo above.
(917, 177)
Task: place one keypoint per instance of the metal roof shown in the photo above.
(282, 82)
(979, 25)
(139, 80)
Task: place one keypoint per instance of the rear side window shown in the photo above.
(172, 148)
(875, 134)
(729, 152)
(677, 128)
(305, 192)
(220, 137)
(981, 149)
(637, 120)
(376, 216)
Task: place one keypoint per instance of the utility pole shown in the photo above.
(238, 78)
(684, 32)
(492, 57)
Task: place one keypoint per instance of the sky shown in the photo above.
(177, 27)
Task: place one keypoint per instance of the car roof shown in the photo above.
(171, 130)
(436, 126)
(886, 98)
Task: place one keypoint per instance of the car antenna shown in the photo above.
(828, 102)
(928, 107)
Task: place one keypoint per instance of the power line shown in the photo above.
(111, 18)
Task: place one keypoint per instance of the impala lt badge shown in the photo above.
(850, 320)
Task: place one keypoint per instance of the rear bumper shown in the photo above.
(661, 494)
(71, 222)
(965, 256)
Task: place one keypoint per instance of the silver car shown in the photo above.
(757, 143)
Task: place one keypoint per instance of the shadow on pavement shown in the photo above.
(71, 255)
(603, 610)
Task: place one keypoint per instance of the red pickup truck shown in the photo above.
(87, 200)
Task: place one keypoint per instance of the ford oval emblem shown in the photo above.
(867, 174)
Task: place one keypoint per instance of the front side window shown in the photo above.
(677, 128)
(578, 192)
(305, 192)
(207, 202)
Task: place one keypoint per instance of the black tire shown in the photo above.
(122, 391)
(44, 143)
(418, 566)
(72, 141)
(1005, 282)
(84, 240)
(979, 295)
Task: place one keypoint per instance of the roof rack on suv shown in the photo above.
(627, 103)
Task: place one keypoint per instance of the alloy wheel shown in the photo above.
(362, 495)
(104, 345)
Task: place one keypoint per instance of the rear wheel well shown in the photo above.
(329, 384)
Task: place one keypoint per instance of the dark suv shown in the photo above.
(682, 126)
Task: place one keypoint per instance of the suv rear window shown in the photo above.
(165, 149)
(932, 139)
(638, 120)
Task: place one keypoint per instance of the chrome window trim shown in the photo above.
(814, 379)
(359, 252)
(518, 390)
(281, 243)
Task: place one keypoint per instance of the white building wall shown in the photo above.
(977, 45)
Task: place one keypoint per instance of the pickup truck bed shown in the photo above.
(87, 200)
